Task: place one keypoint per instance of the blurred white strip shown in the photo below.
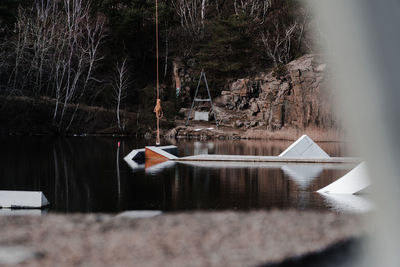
(362, 43)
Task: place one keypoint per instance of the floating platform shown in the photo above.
(277, 159)
(302, 162)
(303, 151)
(23, 199)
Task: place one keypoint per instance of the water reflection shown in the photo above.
(88, 175)
(348, 203)
(303, 175)
(23, 212)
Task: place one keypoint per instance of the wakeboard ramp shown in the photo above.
(151, 158)
(354, 182)
(22, 199)
(304, 147)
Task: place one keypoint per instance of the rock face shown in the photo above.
(298, 98)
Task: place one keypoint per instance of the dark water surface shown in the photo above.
(88, 174)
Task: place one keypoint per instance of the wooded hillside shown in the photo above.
(102, 52)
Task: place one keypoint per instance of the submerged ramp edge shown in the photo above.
(353, 182)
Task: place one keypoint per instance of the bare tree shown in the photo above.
(257, 9)
(56, 52)
(277, 41)
(120, 85)
(192, 14)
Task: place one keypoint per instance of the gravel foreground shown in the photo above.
(185, 239)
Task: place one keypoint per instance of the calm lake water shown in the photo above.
(88, 174)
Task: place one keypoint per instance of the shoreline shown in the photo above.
(34, 119)
(192, 136)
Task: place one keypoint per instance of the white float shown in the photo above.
(201, 116)
(23, 199)
(139, 214)
(304, 147)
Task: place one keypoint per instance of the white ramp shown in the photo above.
(353, 182)
(22, 199)
(304, 147)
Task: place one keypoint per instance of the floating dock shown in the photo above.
(276, 159)
(304, 150)
(302, 161)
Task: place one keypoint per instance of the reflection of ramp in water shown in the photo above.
(200, 148)
(348, 203)
(23, 212)
(156, 168)
(303, 175)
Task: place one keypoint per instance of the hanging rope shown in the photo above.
(157, 108)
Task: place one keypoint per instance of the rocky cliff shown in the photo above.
(293, 96)
(292, 99)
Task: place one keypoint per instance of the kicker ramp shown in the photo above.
(22, 199)
(304, 147)
(136, 158)
(355, 181)
(162, 152)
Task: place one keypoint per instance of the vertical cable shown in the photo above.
(158, 105)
